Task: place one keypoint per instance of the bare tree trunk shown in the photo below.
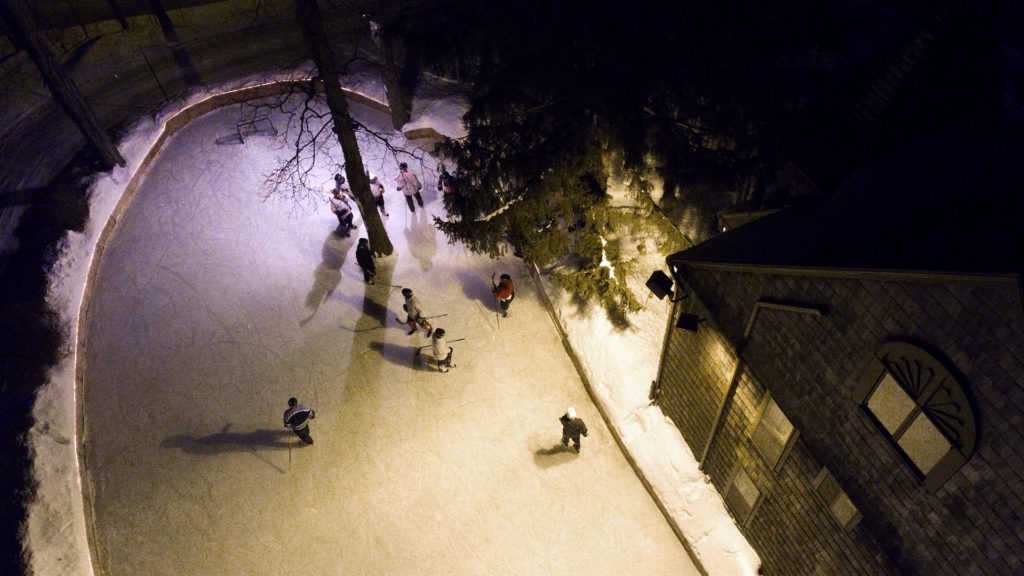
(308, 14)
(398, 99)
(181, 56)
(18, 20)
(118, 14)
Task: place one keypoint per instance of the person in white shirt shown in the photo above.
(410, 185)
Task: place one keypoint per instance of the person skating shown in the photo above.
(442, 351)
(341, 207)
(297, 417)
(505, 292)
(365, 260)
(414, 313)
(445, 182)
(378, 194)
(410, 185)
(572, 428)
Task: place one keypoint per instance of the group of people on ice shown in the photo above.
(297, 416)
(406, 182)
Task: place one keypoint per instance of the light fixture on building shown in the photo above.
(689, 322)
(660, 284)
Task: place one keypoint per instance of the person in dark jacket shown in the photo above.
(572, 428)
(505, 292)
(365, 260)
(297, 417)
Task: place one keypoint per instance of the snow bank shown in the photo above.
(55, 533)
(620, 365)
(443, 115)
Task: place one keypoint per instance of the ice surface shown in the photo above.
(212, 308)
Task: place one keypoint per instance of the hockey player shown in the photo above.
(297, 417)
(410, 185)
(442, 351)
(572, 427)
(341, 207)
(505, 292)
(414, 311)
(378, 193)
(365, 260)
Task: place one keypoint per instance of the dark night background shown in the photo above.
(738, 105)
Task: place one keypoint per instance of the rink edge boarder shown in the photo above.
(535, 274)
(171, 127)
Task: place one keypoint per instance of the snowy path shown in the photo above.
(212, 308)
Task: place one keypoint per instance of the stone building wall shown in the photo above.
(790, 528)
(812, 366)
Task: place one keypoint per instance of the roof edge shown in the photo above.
(921, 276)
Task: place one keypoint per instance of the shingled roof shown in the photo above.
(950, 207)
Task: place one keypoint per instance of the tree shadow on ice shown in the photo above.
(557, 454)
(374, 309)
(327, 275)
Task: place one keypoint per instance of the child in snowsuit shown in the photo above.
(297, 417)
(378, 194)
(572, 427)
(410, 185)
(414, 311)
(505, 292)
(365, 260)
(442, 352)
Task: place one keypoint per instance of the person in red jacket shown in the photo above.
(505, 292)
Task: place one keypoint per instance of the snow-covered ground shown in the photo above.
(212, 307)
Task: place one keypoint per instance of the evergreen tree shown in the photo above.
(564, 86)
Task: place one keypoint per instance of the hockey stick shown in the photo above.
(494, 292)
(400, 321)
(421, 348)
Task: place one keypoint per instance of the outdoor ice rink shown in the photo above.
(212, 308)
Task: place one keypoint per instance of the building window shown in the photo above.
(773, 434)
(922, 409)
(742, 497)
(906, 423)
(839, 505)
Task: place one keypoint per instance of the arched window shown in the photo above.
(922, 409)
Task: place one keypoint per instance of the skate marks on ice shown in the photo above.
(373, 307)
(225, 442)
(400, 355)
(556, 455)
(327, 275)
(421, 237)
(477, 290)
